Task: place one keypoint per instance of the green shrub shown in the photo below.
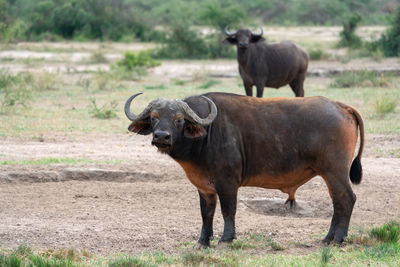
(102, 80)
(348, 38)
(389, 43)
(317, 54)
(142, 59)
(14, 90)
(385, 104)
(183, 42)
(388, 233)
(103, 112)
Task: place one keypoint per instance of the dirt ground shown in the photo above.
(146, 203)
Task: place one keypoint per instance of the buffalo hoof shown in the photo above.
(290, 204)
(200, 246)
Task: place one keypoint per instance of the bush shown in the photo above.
(317, 54)
(13, 90)
(390, 42)
(348, 38)
(183, 42)
(142, 59)
(103, 112)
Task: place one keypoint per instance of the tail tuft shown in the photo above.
(356, 171)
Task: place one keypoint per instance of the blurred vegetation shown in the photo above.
(348, 38)
(389, 42)
(146, 20)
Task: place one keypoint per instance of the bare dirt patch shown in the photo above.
(146, 203)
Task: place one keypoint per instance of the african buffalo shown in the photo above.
(225, 141)
(268, 65)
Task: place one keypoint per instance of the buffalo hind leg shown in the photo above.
(228, 198)
(207, 206)
(297, 85)
(343, 200)
(260, 90)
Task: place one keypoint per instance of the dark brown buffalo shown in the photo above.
(268, 65)
(225, 141)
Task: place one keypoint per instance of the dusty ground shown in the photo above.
(146, 203)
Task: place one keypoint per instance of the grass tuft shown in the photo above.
(98, 57)
(210, 83)
(158, 86)
(127, 261)
(103, 112)
(326, 255)
(241, 244)
(388, 233)
(363, 78)
(192, 258)
(385, 104)
(317, 54)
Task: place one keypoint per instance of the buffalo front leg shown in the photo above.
(248, 88)
(343, 200)
(228, 197)
(207, 206)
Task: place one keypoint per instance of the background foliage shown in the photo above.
(124, 20)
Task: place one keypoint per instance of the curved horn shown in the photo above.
(259, 34)
(227, 31)
(192, 116)
(131, 116)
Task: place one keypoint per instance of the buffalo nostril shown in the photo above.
(155, 136)
(167, 137)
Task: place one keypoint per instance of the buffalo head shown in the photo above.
(243, 37)
(169, 121)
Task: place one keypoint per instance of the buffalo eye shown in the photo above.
(179, 122)
(154, 120)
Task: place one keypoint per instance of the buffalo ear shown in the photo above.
(230, 40)
(194, 131)
(140, 127)
(256, 38)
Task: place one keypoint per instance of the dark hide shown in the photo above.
(269, 65)
(274, 143)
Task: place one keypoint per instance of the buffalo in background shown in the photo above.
(268, 65)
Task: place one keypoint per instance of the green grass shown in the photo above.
(160, 86)
(385, 104)
(47, 161)
(65, 108)
(103, 112)
(388, 233)
(317, 54)
(207, 85)
(380, 254)
(362, 78)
